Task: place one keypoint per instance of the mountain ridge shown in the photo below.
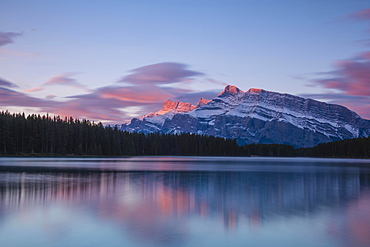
(257, 116)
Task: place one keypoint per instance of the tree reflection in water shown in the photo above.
(157, 206)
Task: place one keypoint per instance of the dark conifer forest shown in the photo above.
(350, 148)
(54, 136)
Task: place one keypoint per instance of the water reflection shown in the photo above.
(352, 227)
(165, 208)
(179, 193)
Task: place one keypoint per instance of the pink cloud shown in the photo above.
(362, 14)
(147, 94)
(35, 89)
(111, 103)
(216, 82)
(64, 79)
(93, 107)
(89, 110)
(103, 104)
(89, 107)
(160, 73)
(352, 76)
(8, 37)
(10, 97)
(364, 56)
(352, 79)
(108, 103)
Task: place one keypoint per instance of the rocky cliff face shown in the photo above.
(257, 116)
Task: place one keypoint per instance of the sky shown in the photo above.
(113, 60)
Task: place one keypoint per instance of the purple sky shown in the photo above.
(113, 60)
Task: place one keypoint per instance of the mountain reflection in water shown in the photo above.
(160, 207)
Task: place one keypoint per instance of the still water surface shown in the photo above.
(184, 201)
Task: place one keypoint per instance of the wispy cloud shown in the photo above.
(148, 87)
(6, 83)
(35, 89)
(160, 73)
(109, 103)
(350, 78)
(9, 97)
(145, 92)
(216, 82)
(93, 108)
(90, 107)
(148, 94)
(64, 79)
(8, 37)
(50, 96)
(361, 15)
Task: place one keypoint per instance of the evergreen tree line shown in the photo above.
(45, 135)
(350, 148)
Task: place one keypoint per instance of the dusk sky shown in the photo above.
(114, 60)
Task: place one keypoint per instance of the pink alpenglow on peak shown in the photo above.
(202, 102)
(255, 90)
(176, 107)
(172, 106)
(231, 90)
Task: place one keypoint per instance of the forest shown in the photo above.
(350, 148)
(44, 135)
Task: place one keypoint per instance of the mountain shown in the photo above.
(256, 116)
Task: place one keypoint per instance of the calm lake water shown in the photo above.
(184, 201)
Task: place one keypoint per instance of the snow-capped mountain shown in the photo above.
(256, 116)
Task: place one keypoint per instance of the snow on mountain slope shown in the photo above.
(154, 121)
(224, 102)
(257, 116)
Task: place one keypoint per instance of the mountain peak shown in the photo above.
(257, 116)
(255, 90)
(229, 89)
(202, 102)
(172, 106)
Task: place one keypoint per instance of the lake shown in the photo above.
(184, 201)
